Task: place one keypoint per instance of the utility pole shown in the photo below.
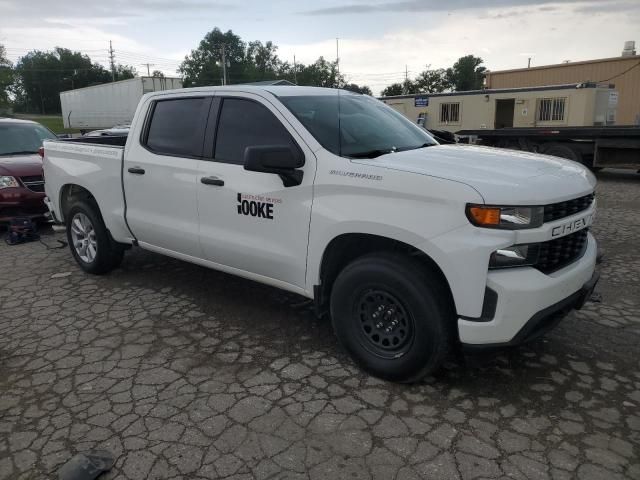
(529, 63)
(148, 65)
(337, 61)
(406, 79)
(224, 67)
(41, 98)
(295, 76)
(112, 62)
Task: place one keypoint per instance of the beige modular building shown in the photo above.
(623, 72)
(572, 105)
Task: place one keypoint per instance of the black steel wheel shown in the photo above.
(386, 327)
(393, 315)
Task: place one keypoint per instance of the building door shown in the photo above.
(504, 113)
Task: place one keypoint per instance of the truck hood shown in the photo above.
(500, 176)
(21, 165)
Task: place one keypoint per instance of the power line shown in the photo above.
(148, 65)
(620, 74)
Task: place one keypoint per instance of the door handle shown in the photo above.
(212, 181)
(136, 170)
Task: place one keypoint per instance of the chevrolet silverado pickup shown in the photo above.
(413, 248)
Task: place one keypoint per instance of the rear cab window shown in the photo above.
(177, 126)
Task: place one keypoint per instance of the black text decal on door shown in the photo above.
(256, 205)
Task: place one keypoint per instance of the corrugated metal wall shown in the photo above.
(627, 84)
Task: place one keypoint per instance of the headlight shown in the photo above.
(508, 218)
(8, 182)
(515, 256)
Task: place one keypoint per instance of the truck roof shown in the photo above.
(276, 90)
(16, 120)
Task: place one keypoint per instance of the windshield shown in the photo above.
(17, 138)
(366, 127)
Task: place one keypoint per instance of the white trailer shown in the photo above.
(109, 104)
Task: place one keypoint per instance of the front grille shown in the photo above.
(556, 211)
(558, 253)
(35, 183)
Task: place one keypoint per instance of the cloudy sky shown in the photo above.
(378, 39)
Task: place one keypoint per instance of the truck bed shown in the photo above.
(595, 147)
(91, 163)
(626, 131)
(112, 140)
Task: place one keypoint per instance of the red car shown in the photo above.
(21, 180)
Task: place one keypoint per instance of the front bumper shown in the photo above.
(529, 302)
(21, 202)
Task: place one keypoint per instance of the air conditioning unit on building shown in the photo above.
(629, 49)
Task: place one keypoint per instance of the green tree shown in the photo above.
(203, 66)
(392, 90)
(407, 87)
(321, 73)
(261, 61)
(157, 74)
(41, 76)
(125, 72)
(250, 62)
(432, 81)
(466, 74)
(353, 87)
(6, 77)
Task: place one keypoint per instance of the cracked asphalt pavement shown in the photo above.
(184, 372)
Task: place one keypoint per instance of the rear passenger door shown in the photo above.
(249, 221)
(161, 173)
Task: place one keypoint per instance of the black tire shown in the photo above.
(108, 254)
(564, 151)
(419, 303)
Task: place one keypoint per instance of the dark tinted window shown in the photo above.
(244, 123)
(177, 126)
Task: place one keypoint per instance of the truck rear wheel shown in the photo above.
(89, 240)
(563, 151)
(392, 317)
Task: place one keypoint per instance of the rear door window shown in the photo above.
(177, 126)
(244, 123)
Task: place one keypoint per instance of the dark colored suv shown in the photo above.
(21, 180)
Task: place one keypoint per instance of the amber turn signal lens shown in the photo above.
(485, 216)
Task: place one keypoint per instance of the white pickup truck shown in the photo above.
(412, 247)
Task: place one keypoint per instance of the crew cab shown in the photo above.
(413, 248)
(21, 182)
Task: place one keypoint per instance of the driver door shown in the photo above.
(250, 222)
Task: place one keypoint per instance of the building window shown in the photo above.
(551, 109)
(421, 119)
(449, 112)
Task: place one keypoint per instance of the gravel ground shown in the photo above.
(183, 372)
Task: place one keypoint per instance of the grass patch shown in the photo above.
(52, 122)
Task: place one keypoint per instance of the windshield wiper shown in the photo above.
(371, 153)
(21, 152)
(424, 145)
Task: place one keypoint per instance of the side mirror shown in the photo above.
(282, 160)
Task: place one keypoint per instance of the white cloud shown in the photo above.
(499, 36)
(374, 49)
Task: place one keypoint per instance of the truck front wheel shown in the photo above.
(392, 316)
(89, 240)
